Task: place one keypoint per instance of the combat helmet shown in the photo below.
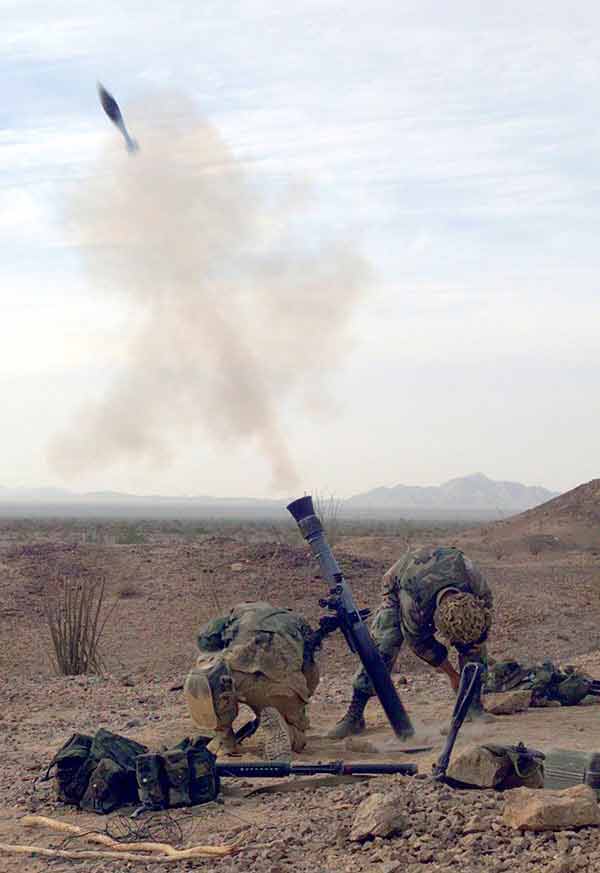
(462, 618)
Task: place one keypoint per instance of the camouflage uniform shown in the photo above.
(410, 594)
(271, 665)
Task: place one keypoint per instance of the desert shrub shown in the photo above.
(77, 612)
(329, 509)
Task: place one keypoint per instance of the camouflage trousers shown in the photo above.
(258, 692)
(387, 633)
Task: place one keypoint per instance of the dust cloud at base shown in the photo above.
(236, 312)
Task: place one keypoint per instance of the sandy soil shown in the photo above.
(547, 605)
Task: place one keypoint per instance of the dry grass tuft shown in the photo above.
(329, 510)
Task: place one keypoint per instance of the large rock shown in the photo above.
(507, 702)
(479, 767)
(546, 810)
(379, 815)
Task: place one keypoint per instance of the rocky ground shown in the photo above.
(163, 588)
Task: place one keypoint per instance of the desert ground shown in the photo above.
(165, 579)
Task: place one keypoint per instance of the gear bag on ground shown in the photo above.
(103, 772)
(97, 773)
(546, 681)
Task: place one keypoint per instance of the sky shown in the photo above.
(451, 152)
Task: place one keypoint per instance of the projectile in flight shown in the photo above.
(111, 107)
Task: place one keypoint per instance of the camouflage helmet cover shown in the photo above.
(462, 618)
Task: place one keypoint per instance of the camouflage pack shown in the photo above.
(97, 773)
(73, 768)
(524, 767)
(546, 682)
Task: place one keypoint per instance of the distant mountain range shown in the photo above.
(467, 493)
(62, 495)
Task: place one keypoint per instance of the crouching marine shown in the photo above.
(262, 656)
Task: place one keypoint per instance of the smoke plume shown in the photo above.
(234, 310)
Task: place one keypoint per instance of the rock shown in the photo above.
(379, 815)
(479, 767)
(237, 567)
(507, 702)
(356, 744)
(475, 825)
(391, 867)
(543, 809)
(132, 723)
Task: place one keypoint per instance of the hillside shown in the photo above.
(475, 492)
(567, 521)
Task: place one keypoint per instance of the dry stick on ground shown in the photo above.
(166, 851)
(90, 854)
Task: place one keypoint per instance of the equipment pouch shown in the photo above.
(151, 780)
(204, 779)
(177, 773)
(110, 786)
(526, 766)
(504, 676)
(572, 689)
(73, 768)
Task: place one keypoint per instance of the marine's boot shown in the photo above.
(353, 722)
(478, 713)
(224, 743)
(273, 736)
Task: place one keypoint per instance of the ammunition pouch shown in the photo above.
(177, 771)
(204, 779)
(183, 776)
(151, 781)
